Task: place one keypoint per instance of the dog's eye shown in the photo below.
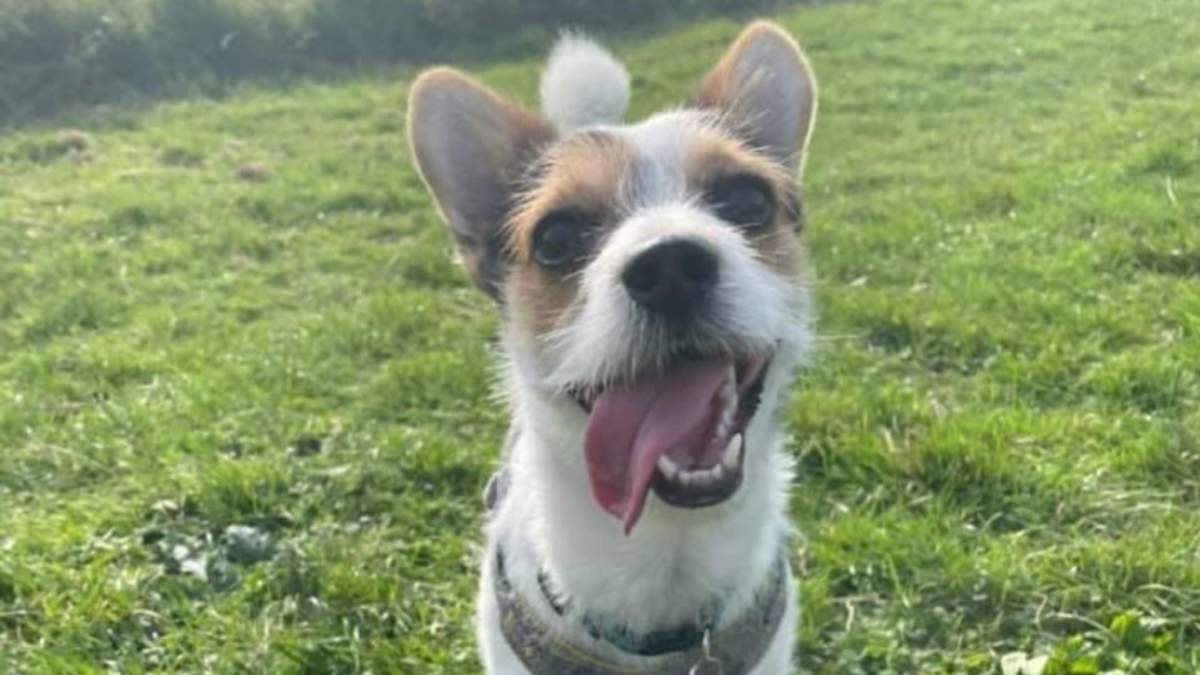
(742, 200)
(559, 238)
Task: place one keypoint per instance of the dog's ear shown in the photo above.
(764, 86)
(471, 145)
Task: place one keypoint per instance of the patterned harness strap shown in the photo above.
(732, 650)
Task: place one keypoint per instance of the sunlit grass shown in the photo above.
(998, 442)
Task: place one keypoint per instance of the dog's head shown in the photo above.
(650, 276)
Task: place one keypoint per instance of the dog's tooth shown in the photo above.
(668, 467)
(733, 451)
(714, 474)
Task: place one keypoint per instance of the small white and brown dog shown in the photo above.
(654, 306)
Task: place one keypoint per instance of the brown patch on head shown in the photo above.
(584, 175)
(712, 157)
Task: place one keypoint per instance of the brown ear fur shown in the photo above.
(470, 146)
(765, 86)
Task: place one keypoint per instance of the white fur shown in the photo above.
(549, 521)
(676, 560)
(775, 313)
(583, 85)
(658, 205)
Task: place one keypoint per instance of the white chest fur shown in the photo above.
(662, 575)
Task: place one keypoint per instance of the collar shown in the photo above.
(733, 650)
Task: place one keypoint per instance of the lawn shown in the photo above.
(245, 399)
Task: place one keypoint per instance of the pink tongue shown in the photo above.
(633, 425)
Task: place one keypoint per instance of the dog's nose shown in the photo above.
(672, 277)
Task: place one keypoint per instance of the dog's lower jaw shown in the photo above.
(664, 574)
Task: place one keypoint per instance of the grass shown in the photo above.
(86, 52)
(245, 417)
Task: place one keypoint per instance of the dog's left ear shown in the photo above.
(471, 146)
(765, 87)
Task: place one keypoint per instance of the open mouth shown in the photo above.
(679, 432)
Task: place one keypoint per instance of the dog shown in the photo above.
(655, 305)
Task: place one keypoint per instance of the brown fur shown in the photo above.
(719, 90)
(586, 174)
(713, 156)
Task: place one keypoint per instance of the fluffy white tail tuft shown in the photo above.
(583, 85)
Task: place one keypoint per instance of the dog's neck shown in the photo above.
(675, 564)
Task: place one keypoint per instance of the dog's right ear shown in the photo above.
(470, 146)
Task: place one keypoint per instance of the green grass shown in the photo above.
(85, 52)
(999, 442)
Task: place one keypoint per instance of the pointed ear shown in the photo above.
(765, 87)
(471, 146)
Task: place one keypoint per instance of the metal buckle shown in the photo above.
(708, 664)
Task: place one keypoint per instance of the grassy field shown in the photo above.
(245, 411)
(67, 53)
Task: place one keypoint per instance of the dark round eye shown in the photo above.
(742, 200)
(558, 239)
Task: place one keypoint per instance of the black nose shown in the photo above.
(672, 277)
